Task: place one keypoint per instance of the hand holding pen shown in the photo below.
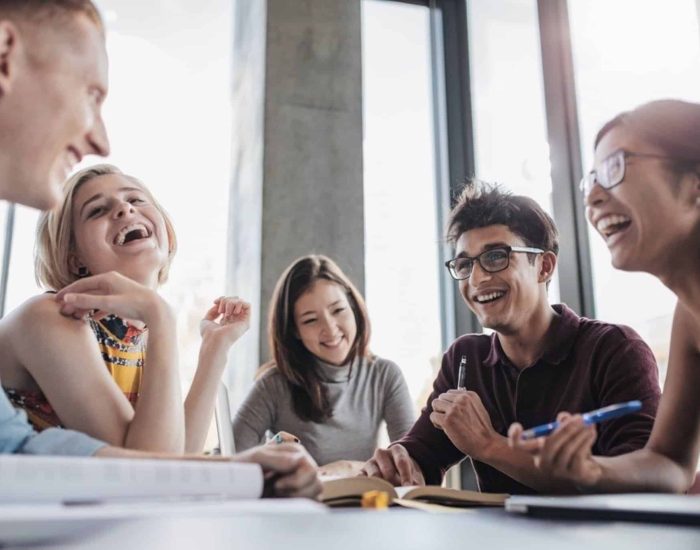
(280, 437)
(462, 416)
(589, 418)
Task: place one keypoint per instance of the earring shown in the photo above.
(82, 271)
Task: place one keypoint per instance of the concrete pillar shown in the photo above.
(297, 179)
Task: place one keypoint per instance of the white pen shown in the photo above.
(462, 374)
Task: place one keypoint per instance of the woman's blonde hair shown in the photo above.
(55, 242)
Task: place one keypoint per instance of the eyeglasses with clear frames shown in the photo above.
(612, 170)
(491, 261)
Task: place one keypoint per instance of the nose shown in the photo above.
(597, 195)
(328, 324)
(123, 208)
(477, 275)
(97, 139)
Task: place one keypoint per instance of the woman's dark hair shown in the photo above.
(296, 363)
(483, 204)
(669, 124)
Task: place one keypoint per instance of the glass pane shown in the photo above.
(618, 66)
(20, 283)
(510, 124)
(401, 230)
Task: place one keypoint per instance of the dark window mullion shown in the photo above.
(454, 132)
(575, 279)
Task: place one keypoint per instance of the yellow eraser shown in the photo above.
(379, 500)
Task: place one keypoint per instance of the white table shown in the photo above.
(370, 530)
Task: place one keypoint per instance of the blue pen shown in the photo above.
(593, 417)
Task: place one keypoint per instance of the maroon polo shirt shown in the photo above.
(586, 364)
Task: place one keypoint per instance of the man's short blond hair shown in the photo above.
(55, 240)
(46, 11)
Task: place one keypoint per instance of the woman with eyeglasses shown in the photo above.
(325, 387)
(643, 198)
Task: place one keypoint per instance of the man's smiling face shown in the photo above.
(51, 106)
(506, 300)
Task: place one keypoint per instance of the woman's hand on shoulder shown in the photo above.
(226, 321)
(113, 293)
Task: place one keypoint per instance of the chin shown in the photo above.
(625, 262)
(35, 195)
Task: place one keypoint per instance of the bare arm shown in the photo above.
(158, 421)
(62, 356)
(225, 322)
(669, 460)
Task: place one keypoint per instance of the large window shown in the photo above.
(168, 117)
(510, 125)
(627, 52)
(401, 229)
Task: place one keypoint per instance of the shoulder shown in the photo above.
(476, 347)
(41, 314)
(380, 364)
(38, 337)
(607, 334)
(271, 380)
(379, 367)
(614, 346)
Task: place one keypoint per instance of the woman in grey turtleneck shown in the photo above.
(325, 386)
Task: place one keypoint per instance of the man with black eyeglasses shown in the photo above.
(540, 358)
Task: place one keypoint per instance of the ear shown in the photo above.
(695, 175)
(547, 265)
(75, 264)
(9, 47)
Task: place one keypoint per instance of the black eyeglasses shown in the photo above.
(492, 261)
(612, 170)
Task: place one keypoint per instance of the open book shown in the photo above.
(348, 491)
(74, 480)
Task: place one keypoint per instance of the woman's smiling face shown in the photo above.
(325, 322)
(117, 227)
(647, 216)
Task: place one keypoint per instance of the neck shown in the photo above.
(684, 281)
(345, 363)
(524, 346)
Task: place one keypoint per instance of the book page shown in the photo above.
(354, 487)
(401, 491)
(455, 497)
(68, 479)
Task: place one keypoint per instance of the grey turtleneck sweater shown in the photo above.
(372, 391)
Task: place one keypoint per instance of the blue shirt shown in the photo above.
(17, 436)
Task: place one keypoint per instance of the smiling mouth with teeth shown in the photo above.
(131, 233)
(490, 297)
(610, 225)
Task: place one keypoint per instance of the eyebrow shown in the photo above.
(310, 311)
(98, 196)
(486, 247)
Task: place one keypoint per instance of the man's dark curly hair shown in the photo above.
(483, 204)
